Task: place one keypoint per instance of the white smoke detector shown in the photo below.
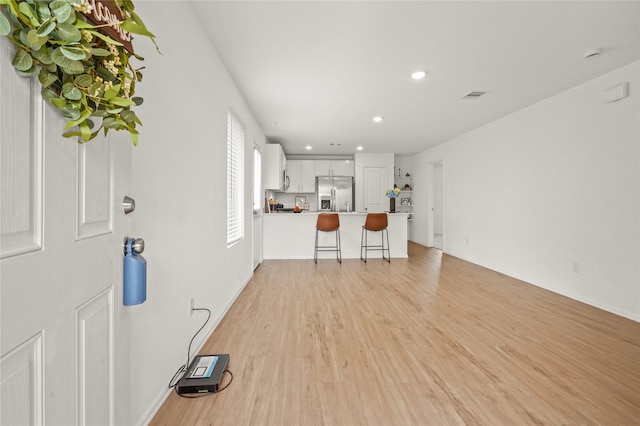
(592, 53)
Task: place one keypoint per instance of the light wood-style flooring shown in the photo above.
(429, 340)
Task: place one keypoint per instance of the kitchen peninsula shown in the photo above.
(292, 236)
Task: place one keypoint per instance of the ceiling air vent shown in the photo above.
(474, 95)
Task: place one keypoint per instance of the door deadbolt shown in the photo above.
(128, 205)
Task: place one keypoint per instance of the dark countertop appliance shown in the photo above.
(281, 208)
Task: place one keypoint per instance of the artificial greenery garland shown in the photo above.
(84, 73)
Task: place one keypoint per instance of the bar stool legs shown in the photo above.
(375, 222)
(337, 248)
(328, 222)
(364, 247)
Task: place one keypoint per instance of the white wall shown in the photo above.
(550, 186)
(179, 181)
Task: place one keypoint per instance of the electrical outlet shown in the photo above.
(191, 306)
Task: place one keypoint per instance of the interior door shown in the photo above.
(258, 202)
(375, 182)
(62, 229)
(438, 206)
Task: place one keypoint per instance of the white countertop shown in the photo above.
(315, 213)
(287, 237)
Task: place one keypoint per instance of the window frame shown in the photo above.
(235, 179)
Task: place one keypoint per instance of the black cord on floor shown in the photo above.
(200, 395)
(194, 336)
(183, 368)
(227, 385)
(173, 382)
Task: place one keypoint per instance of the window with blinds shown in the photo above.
(235, 180)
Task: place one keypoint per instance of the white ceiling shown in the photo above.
(316, 72)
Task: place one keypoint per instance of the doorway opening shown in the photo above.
(257, 207)
(438, 206)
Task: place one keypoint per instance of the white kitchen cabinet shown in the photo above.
(302, 176)
(343, 168)
(323, 168)
(274, 166)
(308, 172)
(335, 168)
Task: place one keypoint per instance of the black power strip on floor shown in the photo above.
(198, 380)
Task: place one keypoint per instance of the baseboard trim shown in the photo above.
(578, 298)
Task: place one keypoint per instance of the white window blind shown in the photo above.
(235, 180)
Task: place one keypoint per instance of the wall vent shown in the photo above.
(474, 95)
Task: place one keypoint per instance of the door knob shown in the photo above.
(137, 245)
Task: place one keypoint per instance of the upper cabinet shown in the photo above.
(302, 176)
(335, 168)
(299, 176)
(274, 167)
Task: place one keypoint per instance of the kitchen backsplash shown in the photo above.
(288, 200)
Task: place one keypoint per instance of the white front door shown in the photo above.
(61, 229)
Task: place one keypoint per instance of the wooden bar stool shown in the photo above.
(375, 222)
(328, 222)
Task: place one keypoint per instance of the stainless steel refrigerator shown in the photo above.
(335, 193)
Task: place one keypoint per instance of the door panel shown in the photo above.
(61, 263)
(94, 322)
(22, 384)
(94, 181)
(21, 162)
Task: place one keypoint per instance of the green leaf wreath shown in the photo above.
(84, 73)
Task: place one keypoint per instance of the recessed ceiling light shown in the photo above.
(377, 118)
(308, 147)
(359, 148)
(418, 75)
